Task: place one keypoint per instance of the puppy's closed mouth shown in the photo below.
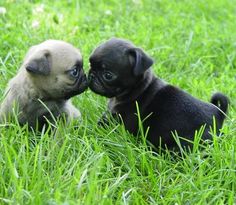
(81, 83)
(97, 86)
(79, 86)
(100, 88)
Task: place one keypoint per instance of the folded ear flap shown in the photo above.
(39, 63)
(141, 60)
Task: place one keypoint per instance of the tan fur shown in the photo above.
(26, 92)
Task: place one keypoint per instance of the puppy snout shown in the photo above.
(85, 79)
(91, 77)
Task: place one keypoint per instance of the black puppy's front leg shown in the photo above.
(108, 118)
(103, 121)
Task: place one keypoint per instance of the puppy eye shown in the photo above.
(107, 76)
(74, 72)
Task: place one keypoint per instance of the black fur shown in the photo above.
(164, 107)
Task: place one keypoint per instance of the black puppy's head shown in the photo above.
(116, 66)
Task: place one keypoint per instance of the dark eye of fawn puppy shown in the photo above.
(121, 71)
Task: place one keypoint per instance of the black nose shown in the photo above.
(91, 76)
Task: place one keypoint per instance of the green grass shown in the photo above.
(194, 47)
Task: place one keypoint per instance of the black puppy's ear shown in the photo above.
(141, 60)
(39, 64)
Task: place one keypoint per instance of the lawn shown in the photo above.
(193, 44)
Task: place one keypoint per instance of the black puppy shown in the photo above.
(120, 71)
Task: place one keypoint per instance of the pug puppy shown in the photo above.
(121, 71)
(52, 72)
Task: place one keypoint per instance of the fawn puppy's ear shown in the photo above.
(39, 63)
